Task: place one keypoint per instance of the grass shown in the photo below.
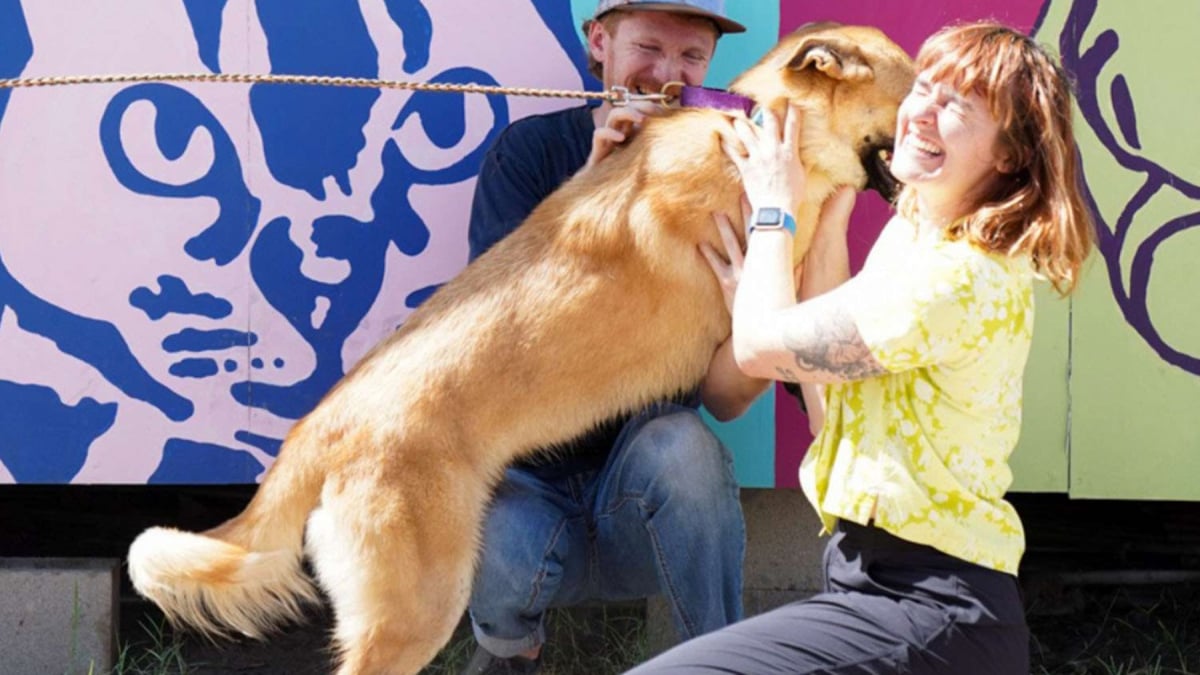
(1149, 630)
(592, 640)
(1139, 630)
(159, 652)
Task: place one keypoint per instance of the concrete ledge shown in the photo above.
(58, 615)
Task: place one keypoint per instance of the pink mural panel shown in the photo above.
(908, 24)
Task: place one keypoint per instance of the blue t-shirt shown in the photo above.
(529, 160)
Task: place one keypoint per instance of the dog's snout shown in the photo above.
(876, 161)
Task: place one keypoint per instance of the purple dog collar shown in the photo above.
(717, 99)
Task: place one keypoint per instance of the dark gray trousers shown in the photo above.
(889, 606)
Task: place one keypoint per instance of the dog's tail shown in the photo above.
(244, 576)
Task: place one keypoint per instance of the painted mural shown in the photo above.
(1135, 329)
(186, 269)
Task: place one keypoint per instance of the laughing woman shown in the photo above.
(912, 369)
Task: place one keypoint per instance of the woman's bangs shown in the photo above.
(975, 59)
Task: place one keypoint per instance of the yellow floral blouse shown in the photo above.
(924, 449)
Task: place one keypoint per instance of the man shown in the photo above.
(646, 503)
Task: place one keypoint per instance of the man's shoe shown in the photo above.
(484, 662)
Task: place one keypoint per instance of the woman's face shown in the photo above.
(946, 144)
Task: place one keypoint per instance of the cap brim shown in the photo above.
(723, 24)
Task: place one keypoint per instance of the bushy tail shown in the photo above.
(246, 575)
(216, 587)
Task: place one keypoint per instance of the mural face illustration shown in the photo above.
(185, 269)
(1132, 87)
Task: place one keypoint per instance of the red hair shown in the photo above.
(1035, 207)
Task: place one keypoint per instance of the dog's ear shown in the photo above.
(836, 57)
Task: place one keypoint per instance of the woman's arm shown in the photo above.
(728, 388)
(815, 341)
(726, 391)
(826, 266)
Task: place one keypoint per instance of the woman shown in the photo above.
(912, 369)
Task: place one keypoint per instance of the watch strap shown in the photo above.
(783, 221)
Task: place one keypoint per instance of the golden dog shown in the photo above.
(600, 303)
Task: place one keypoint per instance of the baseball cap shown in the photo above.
(709, 9)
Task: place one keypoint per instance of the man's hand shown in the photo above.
(620, 125)
(728, 267)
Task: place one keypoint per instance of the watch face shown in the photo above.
(769, 215)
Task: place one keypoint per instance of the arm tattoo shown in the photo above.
(831, 345)
(786, 374)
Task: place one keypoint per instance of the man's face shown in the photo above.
(645, 50)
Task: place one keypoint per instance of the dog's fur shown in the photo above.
(598, 304)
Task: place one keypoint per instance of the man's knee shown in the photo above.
(681, 444)
(503, 562)
(677, 459)
(519, 546)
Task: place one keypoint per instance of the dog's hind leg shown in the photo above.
(397, 565)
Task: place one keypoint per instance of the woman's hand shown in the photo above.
(834, 221)
(620, 125)
(727, 267)
(768, 159)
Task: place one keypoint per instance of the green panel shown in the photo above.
(1134, 431)
(751, 439)
(1039, 463)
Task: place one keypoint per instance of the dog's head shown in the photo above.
(848, 81)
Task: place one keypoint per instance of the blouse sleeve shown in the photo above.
(931, 311)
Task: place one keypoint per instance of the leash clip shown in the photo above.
(622, 96)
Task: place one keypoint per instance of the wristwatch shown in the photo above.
(772, 218)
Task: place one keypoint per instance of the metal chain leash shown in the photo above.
(616, 96)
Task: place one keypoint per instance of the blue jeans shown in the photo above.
(661, 514)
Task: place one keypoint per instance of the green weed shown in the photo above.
(160, 653)
(1122, 631)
